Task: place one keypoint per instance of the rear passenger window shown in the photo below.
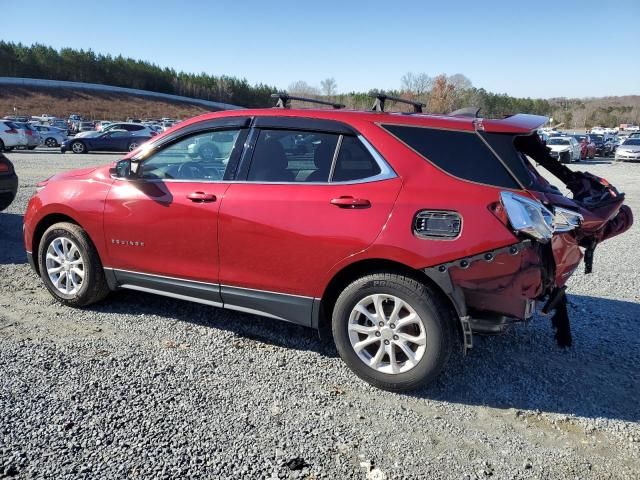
(462, 154)
(354, 162)
(292, 156)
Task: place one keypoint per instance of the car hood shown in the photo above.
(75, 174)
(629, 148)
(93, 133)
(558, 148)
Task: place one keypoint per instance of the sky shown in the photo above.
(539, 49)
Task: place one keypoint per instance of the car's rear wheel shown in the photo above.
(78, 147)
(70, 266)
(51, 142)
(393, 331)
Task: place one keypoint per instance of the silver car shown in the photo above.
(30, 134)
(629, 150)
(51, 136)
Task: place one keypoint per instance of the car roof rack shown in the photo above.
(381, 98)
(473, 112)
(284, 100)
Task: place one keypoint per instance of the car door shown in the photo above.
(161, 224)
(285, 225)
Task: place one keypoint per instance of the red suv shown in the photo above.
(401, 234)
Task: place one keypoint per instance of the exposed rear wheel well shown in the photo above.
(45, 223)
(359, 269)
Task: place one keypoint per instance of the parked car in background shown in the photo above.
(86, 127)
(402, 235)
(629, 150)
(8, 182)
(102, 124)
(587, 147)
(598, 130)
(11, 136)
(566, 149)
(136, 129)
(111, 141)
(632, 128)
(31, 135)
(51, 136)
(634, 135)
(598, 141)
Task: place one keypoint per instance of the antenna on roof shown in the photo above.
(381, 98)
(284, 100)
(473, 112)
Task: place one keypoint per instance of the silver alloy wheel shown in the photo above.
(65, 265)
(133, 146)
(51, 142)
(387, 334)
(77, 147)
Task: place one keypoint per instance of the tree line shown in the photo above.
(41, 61)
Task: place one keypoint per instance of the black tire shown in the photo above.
(51, 142)
(437, 320)
(2, 147)
(94, 285)
(133, 145)
(78, 147)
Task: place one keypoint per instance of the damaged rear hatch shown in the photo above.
(592, 211)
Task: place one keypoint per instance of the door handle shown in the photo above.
(350, 202)
(201, 197)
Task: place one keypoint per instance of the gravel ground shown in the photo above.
(141, 385)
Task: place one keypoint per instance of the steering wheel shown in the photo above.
(191, 171)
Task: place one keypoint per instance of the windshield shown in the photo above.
(558, 141)
(632, 141)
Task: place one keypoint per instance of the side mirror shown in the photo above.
(122, 169)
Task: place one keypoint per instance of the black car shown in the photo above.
(111, 141)
(599, 142)
(8, 182)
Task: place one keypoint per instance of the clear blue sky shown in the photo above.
(538, 48)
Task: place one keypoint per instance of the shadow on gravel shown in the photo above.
(11, 247)
(523, 369)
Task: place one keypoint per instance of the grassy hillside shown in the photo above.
(95, 105)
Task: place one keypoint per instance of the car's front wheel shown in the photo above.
(133, 145)
(51, 142)
(78, 147)
(70, 266)
(393, 331)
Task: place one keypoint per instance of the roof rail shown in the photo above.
(473, 112)
(285, 98)
(381, 98)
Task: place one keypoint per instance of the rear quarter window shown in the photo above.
(461, 154)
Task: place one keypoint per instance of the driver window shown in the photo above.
(201, 156)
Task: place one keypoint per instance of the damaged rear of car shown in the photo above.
(556, 231)
(493, 288)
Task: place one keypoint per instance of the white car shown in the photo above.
(629, 150)
(11, 136)
(632, 128)
(51, 136)
(135, 129)
(598, 130)
(566, 149)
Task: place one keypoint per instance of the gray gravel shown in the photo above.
(144, 386)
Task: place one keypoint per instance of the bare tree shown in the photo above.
(418, 84)
(459, 82)
(329, 86)
(303, 89)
